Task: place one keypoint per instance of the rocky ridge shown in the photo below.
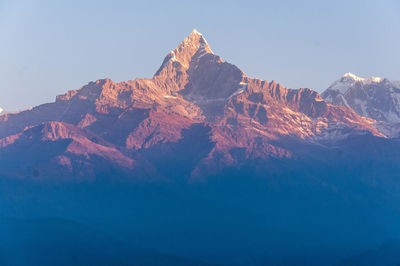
(194, 97)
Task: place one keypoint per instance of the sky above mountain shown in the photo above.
(49, 47)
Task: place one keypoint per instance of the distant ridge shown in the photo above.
(374, 97)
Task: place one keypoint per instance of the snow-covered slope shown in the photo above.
(373, 97)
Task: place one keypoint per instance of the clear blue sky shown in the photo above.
(49, 47)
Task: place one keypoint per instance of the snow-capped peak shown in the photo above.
(374, 97)
(364, 80)
(196, 38)
(196, 32)
(352, 76)
(191, 49)
(349, 79)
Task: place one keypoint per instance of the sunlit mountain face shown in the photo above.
(196, 100)
(201, 165)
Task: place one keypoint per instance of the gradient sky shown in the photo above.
(49, 47)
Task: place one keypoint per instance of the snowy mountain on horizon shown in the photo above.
(374, 97)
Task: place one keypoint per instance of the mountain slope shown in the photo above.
(49, 147)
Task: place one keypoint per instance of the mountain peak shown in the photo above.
(356, 78)
(352, 76)
(195, 32)
(192, 47)
(372, 97)
(196, 40)
(349, 79)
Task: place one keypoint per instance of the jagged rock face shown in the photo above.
(376, 98)
(197, 108)
(279, 111)
(195, 72)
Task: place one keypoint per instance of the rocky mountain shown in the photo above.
(376, 98)
(196, 100)
(200, 162)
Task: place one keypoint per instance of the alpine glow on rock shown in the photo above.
(203, 165)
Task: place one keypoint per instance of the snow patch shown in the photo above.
(240, 90)
(356, 78)
(363, 106)
(352, 76)
(344, 101)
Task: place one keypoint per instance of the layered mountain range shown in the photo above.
(201, 163)
(198, 108)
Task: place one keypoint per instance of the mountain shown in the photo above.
(194, 94)
(200, 162)
(376, 98)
